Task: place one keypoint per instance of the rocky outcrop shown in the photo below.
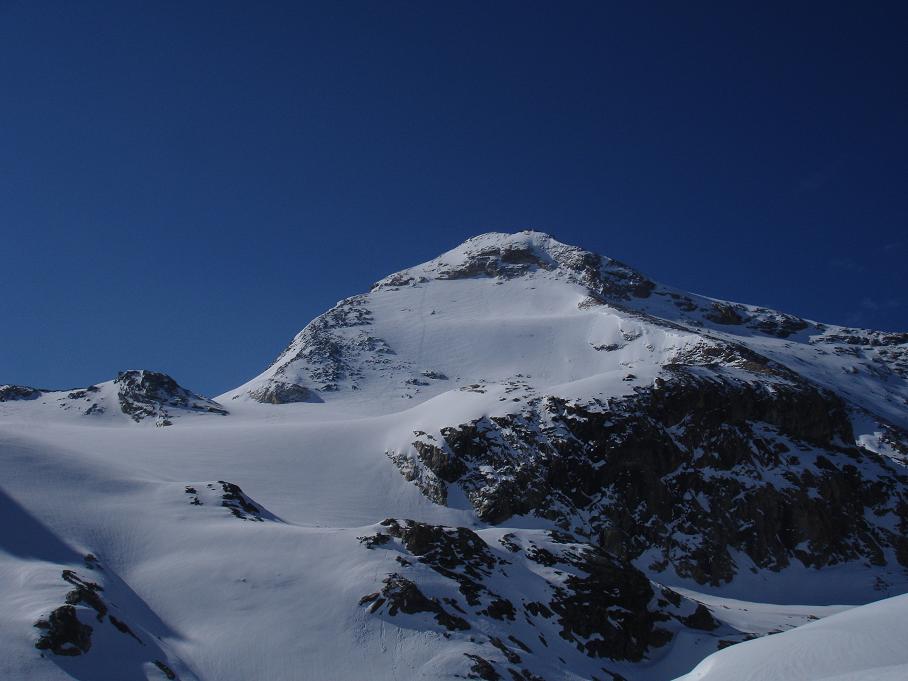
(279, 392)
(9, 393)
(777, 324)
(561, 587)
(153, 395)
(726, 313)
(62, 631)
(689, 471)
(229, 496)
(333, 352)
(325, 351)
(401, 595)
(77, 626)
(879, 353)
(168, 673)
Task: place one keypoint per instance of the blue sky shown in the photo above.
(184, 185)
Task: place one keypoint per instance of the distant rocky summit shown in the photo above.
(140, 395)
(150, 394)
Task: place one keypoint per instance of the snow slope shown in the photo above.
(121, 503)
(868, 643)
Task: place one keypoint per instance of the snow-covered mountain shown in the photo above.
(519, 460)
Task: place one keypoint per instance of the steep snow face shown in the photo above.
(519, 460)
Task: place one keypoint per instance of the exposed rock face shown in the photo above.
(168, 673)
(279, 392)
(63, 633)
(330, 345)
(425, 478)
(481, 668)
(86, 593)
(9, 393)
(603, 606)
(705, 464)
(330, 353)
(723, 313)
(778, 324)
(150, 394)
(401, 595)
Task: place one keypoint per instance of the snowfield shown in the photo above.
(153, 533)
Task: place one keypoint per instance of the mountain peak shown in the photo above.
(504, 255)
(151, 394)
(500, 306)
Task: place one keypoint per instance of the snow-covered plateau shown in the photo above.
(519, 461)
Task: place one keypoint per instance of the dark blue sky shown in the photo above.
(184, 185)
